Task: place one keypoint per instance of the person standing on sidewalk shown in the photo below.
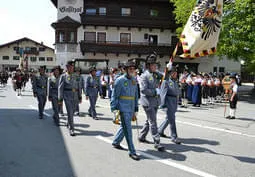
(150, 100)
(169, 100)
(125, 100)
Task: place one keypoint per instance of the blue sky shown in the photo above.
(27, 18)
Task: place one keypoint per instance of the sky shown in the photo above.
(27, 18)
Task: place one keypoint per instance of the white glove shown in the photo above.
(158, 91)
(115, 111)
(169, 65)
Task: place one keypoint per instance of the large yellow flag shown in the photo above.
(201, 33)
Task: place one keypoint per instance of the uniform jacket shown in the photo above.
(53, 83)
(148, 84)
(169, 93)
(69, 87)
(40, 85)
(93, 86)
(124, 87)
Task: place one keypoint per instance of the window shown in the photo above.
(49, 59)
(101, 37)
(33, 59)
(215, 69)
(221, 69)
(41, 58)
(5, 57)
(125, 11)
(102, 11)
(153, 13)
(41, 49)
(125, 38)
(91, 11)
(90, 36)
(15, 57)
(71, 37)
(61, 36)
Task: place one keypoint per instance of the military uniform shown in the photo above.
(169, 99)
(150, 100)
(92, 88)
(125, 99)
(81, 82)
(40, 91)
(69, 90)
(53, 83)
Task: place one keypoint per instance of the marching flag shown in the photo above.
(201, 33)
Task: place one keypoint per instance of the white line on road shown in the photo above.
(205, 126)
(46, 114)
(164, 161)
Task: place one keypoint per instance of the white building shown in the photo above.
(32, 53)
(120, 30)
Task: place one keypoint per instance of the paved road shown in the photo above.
(212, 145)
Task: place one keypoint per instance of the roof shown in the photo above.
(66, 20)
(55, 2)
(24, 39)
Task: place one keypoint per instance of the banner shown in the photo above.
(201, 33)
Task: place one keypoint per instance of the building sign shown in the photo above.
(70, 9)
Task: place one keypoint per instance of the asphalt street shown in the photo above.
(211, 145)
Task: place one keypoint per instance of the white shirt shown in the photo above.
(235, 88)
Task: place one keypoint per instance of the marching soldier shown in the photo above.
(125, 100)
(169, 99)
(40, 89)
(93, 87)
(233, 97)
(69, 90)
(81, 81)
(53, 93)
(150, 100)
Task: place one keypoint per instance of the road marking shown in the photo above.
(204, 126)
(164, 161)
(46, 114)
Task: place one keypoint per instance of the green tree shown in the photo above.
(237, 38)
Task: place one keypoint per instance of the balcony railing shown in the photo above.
(125, 48)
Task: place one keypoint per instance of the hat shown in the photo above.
(70, 63)
(121, 65)
(173, 69)
(43, 67)
(152, 58)
(92, 69)
(56, 67)
(130, 64)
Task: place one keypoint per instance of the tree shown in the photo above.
(237, 36)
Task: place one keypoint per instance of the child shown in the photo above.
(233, 97)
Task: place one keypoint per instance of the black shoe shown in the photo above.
(90, 115)
(228, 117)
(95, 118)
(176, 141)
(144, 141)
(162, 135)
(118, 146)
(134, 157)
(159, 147)
(233, 117)
(71, 132)
(40, 117)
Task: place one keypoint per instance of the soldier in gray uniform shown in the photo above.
(92, 88)
(69, 90)
(53, 82)
(40, 89)
(150, 100)
(81, 81)
(169, 100)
